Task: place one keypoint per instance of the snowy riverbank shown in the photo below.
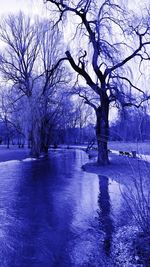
(130, 245)
(13, 153)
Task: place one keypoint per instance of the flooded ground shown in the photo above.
(52, 213)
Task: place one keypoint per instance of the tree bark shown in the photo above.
(35, 144)
(102, 130)
(45, 136)
(35, 137)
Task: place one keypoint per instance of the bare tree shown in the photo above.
(115, 40)
(10, 116)
(33, 71)
(52, 80)
(21, 47)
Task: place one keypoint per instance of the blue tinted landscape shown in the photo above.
(74, 133)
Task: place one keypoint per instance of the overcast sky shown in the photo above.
(37, 6)
(28, 6)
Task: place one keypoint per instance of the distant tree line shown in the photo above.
(132, 125)
(69, 121)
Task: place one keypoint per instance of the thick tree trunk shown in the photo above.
(44, 136)
(35, 146)
(102, 130)
(35, 127)
(8, 142)
(35, 139)
(40, 140)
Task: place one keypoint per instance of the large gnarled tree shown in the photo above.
(111, 41)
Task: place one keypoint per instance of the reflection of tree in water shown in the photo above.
(105, 220)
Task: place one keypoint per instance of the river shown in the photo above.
(52, 213)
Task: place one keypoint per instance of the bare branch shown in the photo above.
(82, 72)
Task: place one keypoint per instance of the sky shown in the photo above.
(37, 6)
(28, 6)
